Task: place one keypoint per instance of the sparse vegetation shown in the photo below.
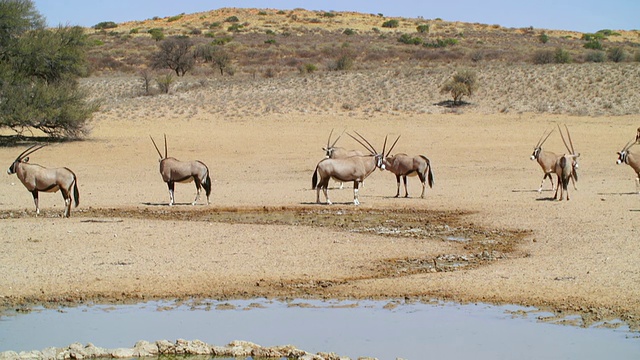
(164, 82)
(423, 29)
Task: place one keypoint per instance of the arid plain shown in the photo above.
(262, 138)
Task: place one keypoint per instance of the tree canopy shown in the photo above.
(39, 72)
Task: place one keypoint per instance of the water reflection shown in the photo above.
(382, 329)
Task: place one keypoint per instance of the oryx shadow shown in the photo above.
(167, 204)
(546, 198)
(619, 193)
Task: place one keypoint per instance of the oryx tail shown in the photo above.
(429, 171)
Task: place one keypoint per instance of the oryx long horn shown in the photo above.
(338, 138)
(371, 148)
(166, 154)
(29, 151)
(392, 146)
(360, 142)
(629, 145)
(569, 136)
(156, 146)
(541, 142)
(329, 139)
(563, 140)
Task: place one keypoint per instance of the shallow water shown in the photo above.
(382, 329)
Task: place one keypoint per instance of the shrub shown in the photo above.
(307, 68)
(408, 39)
(156, 34)
(349, 31)
(593, 44)
(175, 18)
(561, 56)
(343, 62)
(270, 41)
(423, 29)
(440, 43)
(543, 38)
(617, 54)
(134, 31)
(595, 56)
(235, 28)
(543, 57)
(391, 24)
(164, 82)
(232, 19)
(462, 83)
(105, 25)
(328, 14)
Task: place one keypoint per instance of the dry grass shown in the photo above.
(570, 89)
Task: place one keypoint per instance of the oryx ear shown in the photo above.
(25, 159)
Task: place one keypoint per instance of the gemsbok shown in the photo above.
(334, 152)
(403, 165)
(354, 168)
(546, 159)
(566, 167)
(173, 170)
(631, 159)
(37, 178)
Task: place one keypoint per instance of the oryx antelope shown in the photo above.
(403, 165)
(173, 170)
(354, 168)
(631, 159)
(546, 159)
(333, 152)
(37, 178)
(566, 166)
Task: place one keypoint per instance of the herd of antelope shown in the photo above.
(339, 164)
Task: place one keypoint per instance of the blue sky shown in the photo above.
(576, 15)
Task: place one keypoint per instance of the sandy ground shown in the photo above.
(581, 255)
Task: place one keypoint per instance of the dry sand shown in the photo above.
(578, 255)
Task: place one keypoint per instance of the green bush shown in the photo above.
(232, 19)
(561, 56)
(157, 34)
(235, 28)
(440, 43)
(349, 31)
(328, 14)
(410, 40)
(423, 29)
(543, 38)
(105, 25)
(391, 24)
(593, 44)
(307, 68)
(175, 18)
(270, 41)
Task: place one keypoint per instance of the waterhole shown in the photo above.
(381, 329)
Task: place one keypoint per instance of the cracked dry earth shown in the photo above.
(483, 233)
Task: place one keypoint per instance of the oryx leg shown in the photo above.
(638, 183)
(198, 186)
(406, 192)
(66, 195)
(546, 175)
(341, 185)
(398, 185)
(355, 193)
(423, 180)
(171, 186)
(558, 188)
(34, 193)
(324, 185)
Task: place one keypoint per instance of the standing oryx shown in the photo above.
(631, 159)
(173, 170)
(566, 166)
(355, 168)
(546, 159)
(403, 165)
(333, 152)
(37, 178)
